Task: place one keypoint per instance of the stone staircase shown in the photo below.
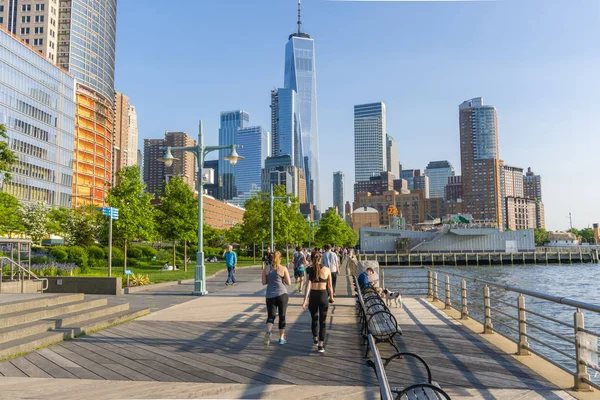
(50, 318)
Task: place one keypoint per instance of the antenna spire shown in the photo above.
(299, 18)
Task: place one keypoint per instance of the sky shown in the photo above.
(537, 61)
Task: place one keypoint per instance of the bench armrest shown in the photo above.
(402, 355)
(423, 386)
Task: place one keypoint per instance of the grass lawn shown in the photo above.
(157, 276)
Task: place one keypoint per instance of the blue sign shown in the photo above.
(128, 272)
(109, 212)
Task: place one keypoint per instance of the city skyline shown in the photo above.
(528, 77)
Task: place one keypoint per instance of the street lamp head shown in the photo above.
(288, 201)
(168, 158)
(233, 157)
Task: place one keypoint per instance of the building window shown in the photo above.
(25, 31)
(1, 8)
(39, 18)
(26, 7)
(38, 30)
(25, 19)
(39, 7)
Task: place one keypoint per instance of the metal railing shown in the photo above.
(20, 274)
(503, 308)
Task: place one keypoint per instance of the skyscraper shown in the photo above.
(532, 188)
(231, 122)
(79, 36)
(392, 157)
(410, 175)
(438, 173)
(37, 107)
(121, 135)
(480, 161)
(154, 170)
(421, 183)
(338, 192)
(370, 158)
(300, 76)
(255, 142)
(133, 137)
(287, 126)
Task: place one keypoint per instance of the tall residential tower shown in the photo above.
(438, 173)
(338, 192)
(480, 161)
(392, 157)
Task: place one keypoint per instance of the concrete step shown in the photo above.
(33, 342)
(35, 314)
(33, 328)
(46, 300)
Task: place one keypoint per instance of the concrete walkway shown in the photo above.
(211, 347)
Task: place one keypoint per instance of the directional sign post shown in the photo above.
(112, 213)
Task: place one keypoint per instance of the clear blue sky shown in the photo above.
(537, 61)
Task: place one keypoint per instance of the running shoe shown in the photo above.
(321, 349)
(282, 341)
(267, 339)
(316, 341)
(226, 283)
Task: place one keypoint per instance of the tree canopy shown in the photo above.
(10, 221)
(34, 217)
(334, 230)
(7, 157)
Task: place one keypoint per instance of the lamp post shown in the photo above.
(311, 229)
(272, 199)
(200, 151)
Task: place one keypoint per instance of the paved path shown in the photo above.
(211, 347)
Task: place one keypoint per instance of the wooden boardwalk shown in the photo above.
(211, 347)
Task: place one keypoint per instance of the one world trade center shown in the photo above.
(300, 76)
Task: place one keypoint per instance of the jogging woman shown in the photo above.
(276, 277)
(318, 286)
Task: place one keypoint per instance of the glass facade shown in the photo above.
(256, 149)
(300, 76)
(338, 192)
(37, 106)
(438, 173)
(86, 42)
(231, 122)
(370, 151)
(289, 126)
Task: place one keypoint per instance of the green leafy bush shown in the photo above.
(79, 256)
(96, 253)
(117, 253)
(96, 263)
(59, 253)
(134, 252)
(148, 251)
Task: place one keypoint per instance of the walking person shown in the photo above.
(276, 277)
(299, 260)
(318, 285)
(268, 258)
(331, 260)
(230, 263)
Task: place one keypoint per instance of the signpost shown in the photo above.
(128, 272)
(113, 213)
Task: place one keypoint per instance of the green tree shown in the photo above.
(177, 214)
(212, 237)
(7, 157)
(80, 226)
(58, 219)
(10, 221)
(255, 226)
(136, 214)
(35, 220)
(540, 236)
(587, 235)
(334, 230)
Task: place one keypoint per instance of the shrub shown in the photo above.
(138, 280)
(54, 269)
(117, 253)
(79, 256)
(135, 252)
(96, 253)
(132, 262)
(148, 251)
(59, 253)
(96, 263)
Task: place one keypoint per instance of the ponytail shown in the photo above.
(316, 259)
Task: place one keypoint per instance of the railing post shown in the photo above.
(448, 300)
(581, 366)
(464, 311)
(487, 326)
(382, 278)
(22, 279)
(386, 262)
(435, 287)
(523, 349)
(429, 284)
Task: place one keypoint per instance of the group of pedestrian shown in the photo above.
(315, 274)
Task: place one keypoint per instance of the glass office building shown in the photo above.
(438, 173)
(37, 106)
(255, 142)
(300, 76)
(370, 139)
(288, 125)
(231, 122)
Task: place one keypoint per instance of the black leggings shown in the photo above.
(277, 304)
(318, 303)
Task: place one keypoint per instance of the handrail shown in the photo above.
(25, 270)
(532, 293)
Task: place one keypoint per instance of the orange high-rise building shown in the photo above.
(92, 165)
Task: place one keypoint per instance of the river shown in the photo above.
(579, 282)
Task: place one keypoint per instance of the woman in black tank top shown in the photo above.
(319, 293)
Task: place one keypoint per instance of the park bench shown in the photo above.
(420, 391)
(375, 317)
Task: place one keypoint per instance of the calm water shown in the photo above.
(579, 282)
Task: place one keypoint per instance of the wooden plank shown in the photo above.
(86, 364)
(28, 368)
(48, 367)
